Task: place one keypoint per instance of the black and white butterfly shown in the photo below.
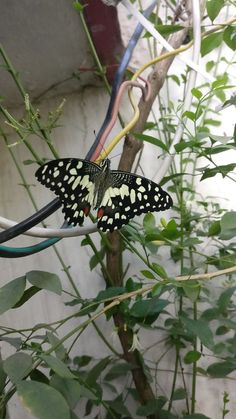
(116, 195)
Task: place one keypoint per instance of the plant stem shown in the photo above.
(194, 375)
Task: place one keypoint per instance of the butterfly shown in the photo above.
(116, 195)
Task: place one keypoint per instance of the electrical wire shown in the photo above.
(101, 155)
(65, 232)
(150, 28)
(20, 228)
(55, 204)
(120, 75)
(188, 94)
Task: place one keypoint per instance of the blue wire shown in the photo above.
(119, 77)
(15, 252)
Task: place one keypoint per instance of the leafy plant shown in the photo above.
(165, 304)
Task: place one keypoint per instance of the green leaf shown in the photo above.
(11, 293)
(30, 292)
(171, 231)
(151, 407)
(3, 377)
(152, 140)
(78, 6)
(179, 394)
(110, 292)
(165, 30)
(214, 229)
(210, 65)
(57, 366)
(230, 37)
(119, 407)
(45, 280)
(27, 162)
(60, 351)
(223, 170)
(192, 290)
(221, 369)
(197, 93)
(190, 115)
(213, 122)
(18, 366)
(149, 222)
(182, 145)
(147, 274)
(118, 370)
(70, 389)
(37, 375)
(213, 8)
(43, 401)
(225, 298)
(221, 330)
(200, 329)
(97, 370)
(192, 356)
(228, 225)
(148, 307)
(210, 42)
(160, 270)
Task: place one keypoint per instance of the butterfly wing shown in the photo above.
(72, 180)
(128, 196)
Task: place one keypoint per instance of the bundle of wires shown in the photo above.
(39, 216)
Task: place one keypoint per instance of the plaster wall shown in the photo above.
(83, 113)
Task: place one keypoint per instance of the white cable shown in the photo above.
(51, 232)
(150, 28)
(188, 97)
(78, 231)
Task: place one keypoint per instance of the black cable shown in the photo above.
(20, 228)
(28, 223)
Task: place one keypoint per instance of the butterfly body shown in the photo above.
(116, 195)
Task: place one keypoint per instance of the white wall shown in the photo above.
(83, 113)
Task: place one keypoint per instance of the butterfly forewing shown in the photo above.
(130, 195)
(118, 196)
(73, 181)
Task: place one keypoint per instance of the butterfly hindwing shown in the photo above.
(72, 180)
(130, 195)
(118, 196)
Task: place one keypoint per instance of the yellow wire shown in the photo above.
(124, 131)
(135, 118)
(155, 60)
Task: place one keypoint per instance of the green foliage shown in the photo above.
(213, 8)
(43, 401)
(189, 323)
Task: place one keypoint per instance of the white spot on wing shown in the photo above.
(56, 173)
(138, 180)
(76, 182)
(73, 171)
(141, 189)
(132, 196)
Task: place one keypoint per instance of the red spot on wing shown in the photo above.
(86, 211)
(100, 212)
